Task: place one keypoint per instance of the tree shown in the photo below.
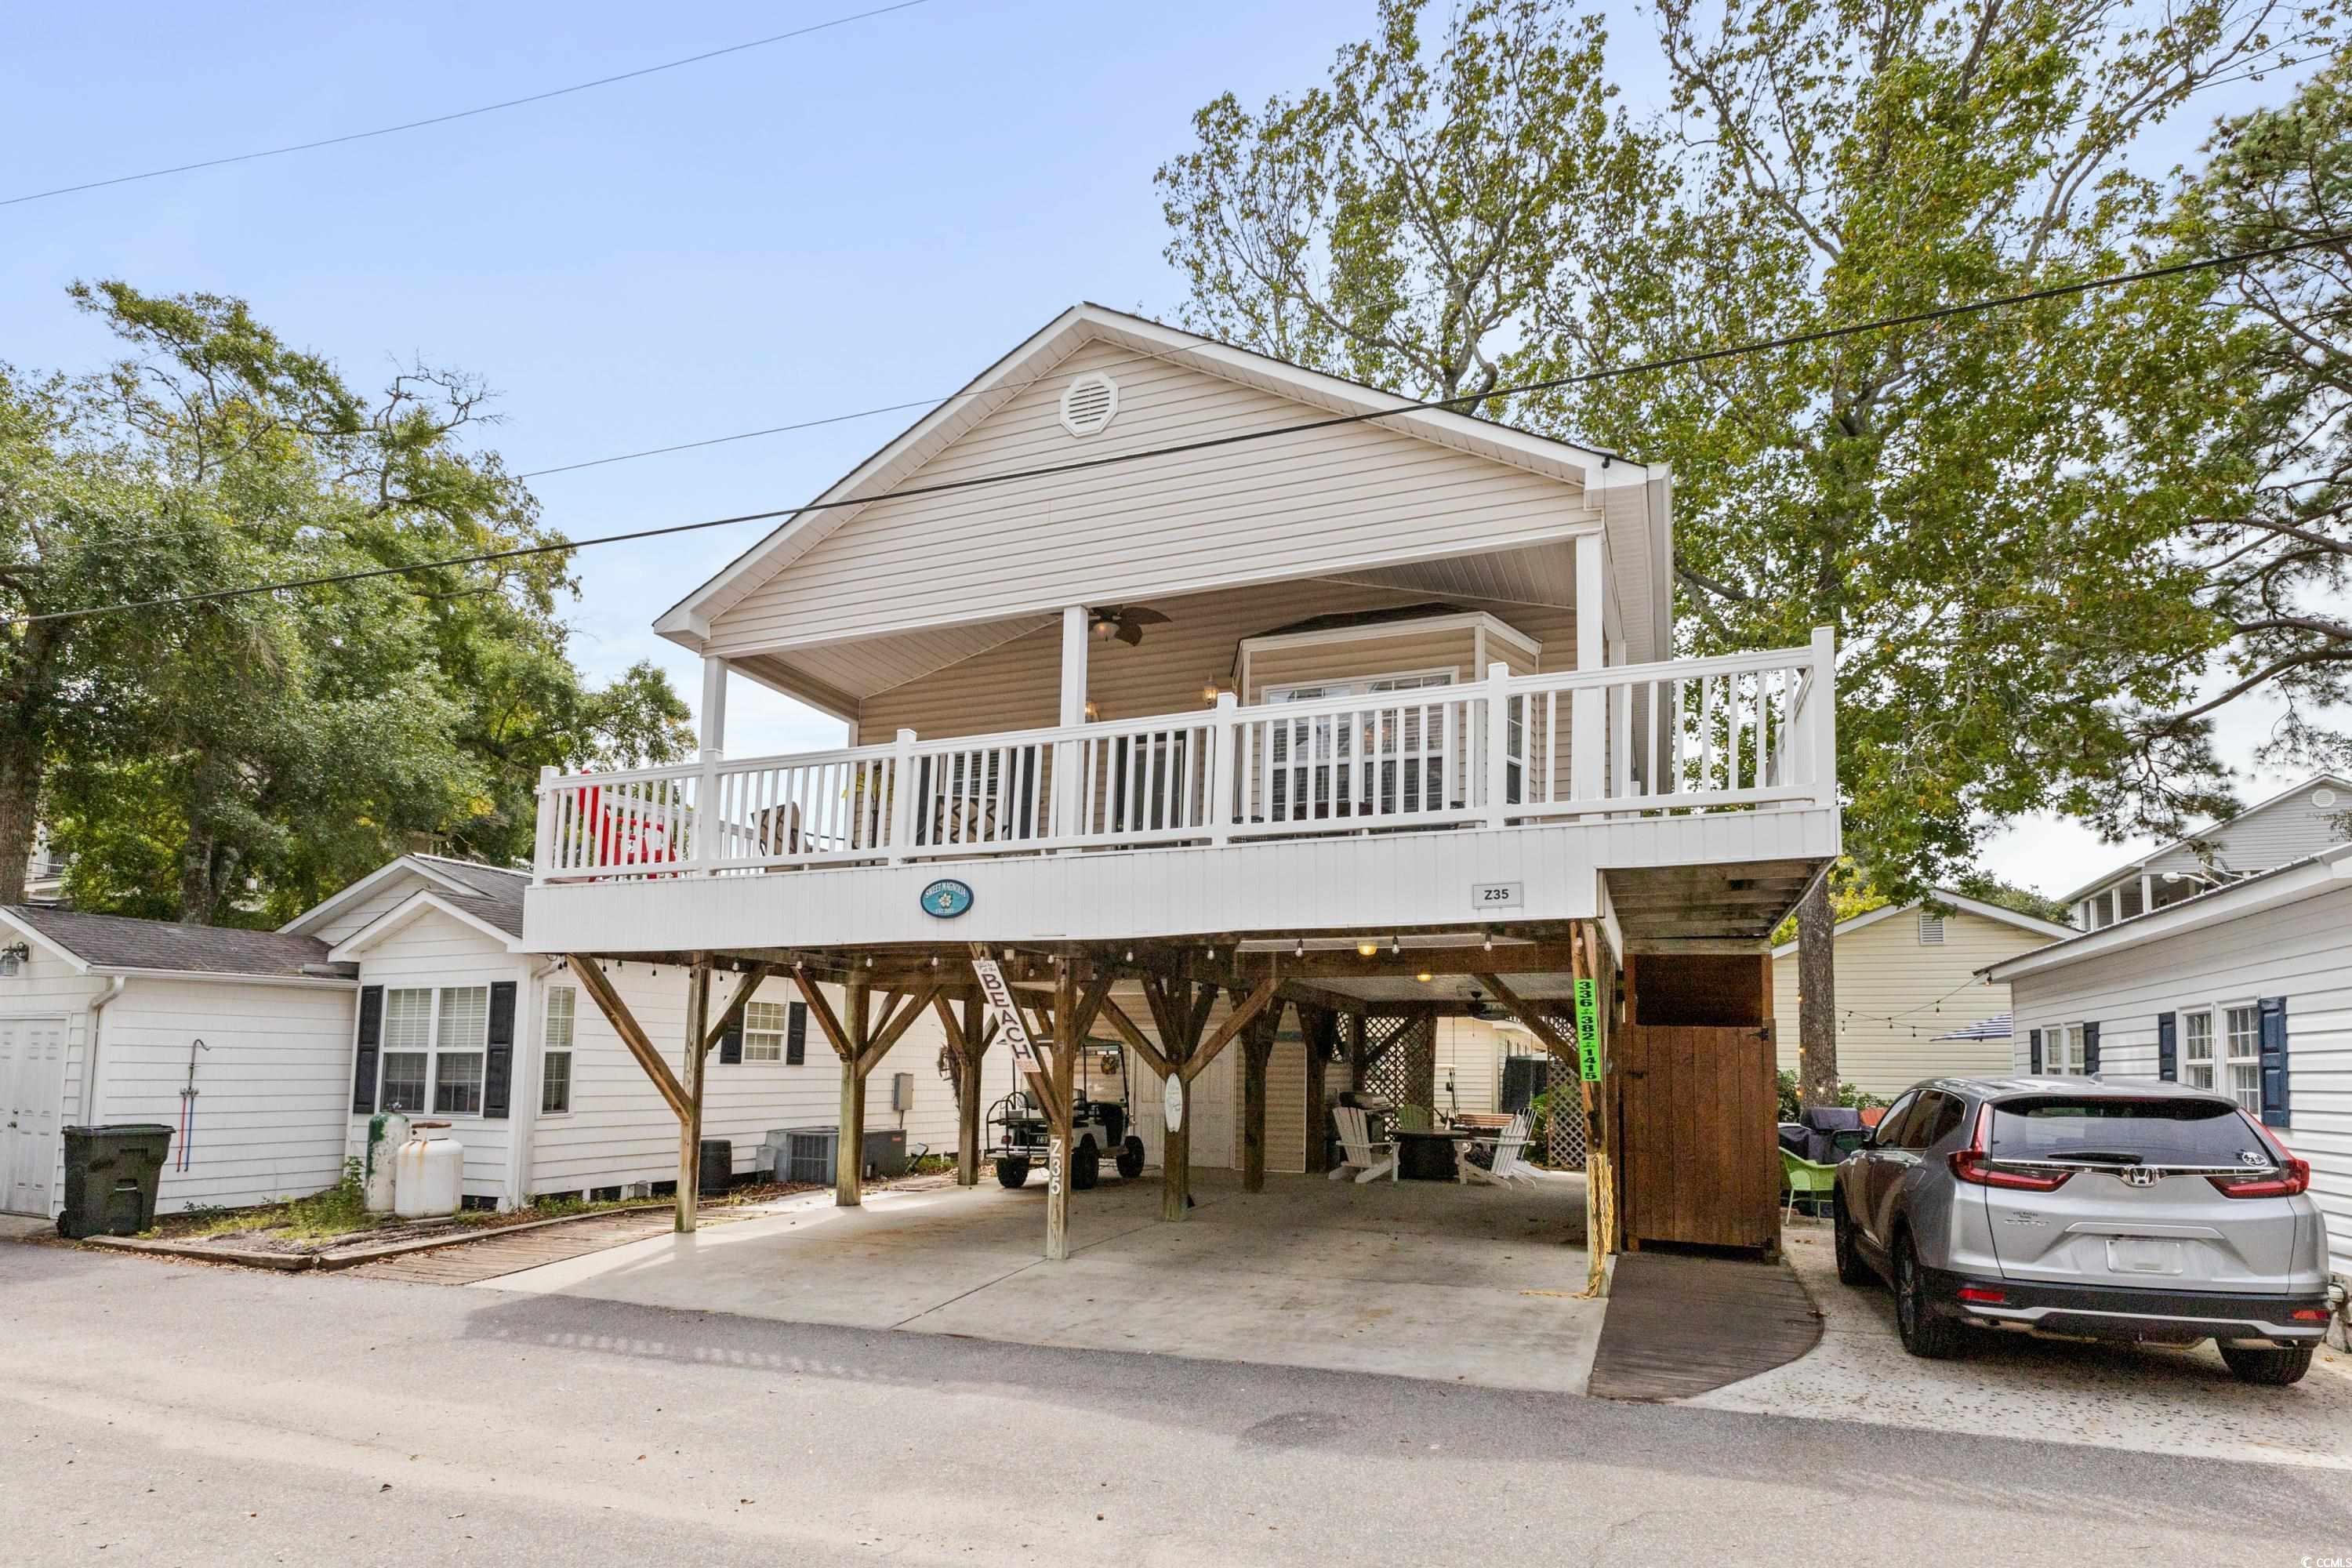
(1982, 508)
(2273, 574)
(240, 758)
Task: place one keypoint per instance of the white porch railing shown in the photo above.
(1733, 733)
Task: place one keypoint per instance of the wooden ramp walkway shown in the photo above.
(1679, 1325)
(491, 1254)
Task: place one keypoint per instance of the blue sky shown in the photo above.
(864, 216)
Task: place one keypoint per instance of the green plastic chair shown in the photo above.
(1411, 1119)
(1809, 1178)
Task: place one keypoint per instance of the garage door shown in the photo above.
(31, 1084)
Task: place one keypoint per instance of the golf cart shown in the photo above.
(1019, 1135)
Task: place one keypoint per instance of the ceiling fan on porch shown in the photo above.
(1125, 622)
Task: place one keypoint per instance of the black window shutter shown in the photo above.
(796, 1034)
(498, 1059)
(730, 1044)
(2167, 1047)
(2035, 1066)
(2273, 1061)
(2090, 1050)
(370, 1042)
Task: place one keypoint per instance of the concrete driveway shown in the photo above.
(1413, 1279)
(2155, 1399)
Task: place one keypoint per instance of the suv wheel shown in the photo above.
(1927, 1333)
(2272, 1365)
(1850, 1268)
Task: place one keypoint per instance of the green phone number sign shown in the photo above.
(1588, 1030)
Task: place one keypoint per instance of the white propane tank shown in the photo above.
(386, 1133)
(428, 1173)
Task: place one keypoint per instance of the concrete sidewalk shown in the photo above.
(1413, 1279)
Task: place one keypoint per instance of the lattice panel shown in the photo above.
(1401, 1061)
(1564, 1126)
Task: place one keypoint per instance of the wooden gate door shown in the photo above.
(1696, 1108)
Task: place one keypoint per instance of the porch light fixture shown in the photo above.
(1396, 947)
(1424, 977)
(1093, 713)
(1209, 695)
(1365, 948)
(1105, 628)
(13, 957)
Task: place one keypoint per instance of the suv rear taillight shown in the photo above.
(1975, 1166)
(2290, 1179)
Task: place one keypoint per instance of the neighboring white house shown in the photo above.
(238, 1040)
(2245, 988)
(2289, 825)
(1907, 984)
(408, 987)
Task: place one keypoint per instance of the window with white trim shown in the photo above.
(764, 1031)
(2061, 1051)
(461, 1039)
(555, 1051)
(2243, 1043)
(2197, 1049)
(407, 1048)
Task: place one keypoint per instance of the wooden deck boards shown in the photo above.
(1680, 1325)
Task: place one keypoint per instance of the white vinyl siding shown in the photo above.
(2301, 951)
(1317, 500)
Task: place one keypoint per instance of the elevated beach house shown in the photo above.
(1196, 701)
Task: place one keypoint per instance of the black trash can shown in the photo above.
(718, 1167)
(111, 1173)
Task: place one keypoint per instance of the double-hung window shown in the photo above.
(764, 1031)
(2197, 1060)
(435, 1045)
(2243, 1043)
(407, 1048)
(555, 1051)
(461, 1038)
(2061, 1051)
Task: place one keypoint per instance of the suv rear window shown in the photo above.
(2105, 1130)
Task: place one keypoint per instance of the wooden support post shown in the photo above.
(968, 1041)
(1257, 1053)
(690, 1125)
(849, 1139)
(1057, 1113)
(1600, 1197)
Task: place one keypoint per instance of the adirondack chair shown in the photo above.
(1368, 1159)
(1412, 1119)
(1507, 1148)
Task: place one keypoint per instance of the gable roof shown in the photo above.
(464, 878)
(2312, 874)
(1640, 550)
(2125, 867)
(1959, 901)
(496, 920)
(118, 942)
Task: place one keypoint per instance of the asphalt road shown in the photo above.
(162, 1414)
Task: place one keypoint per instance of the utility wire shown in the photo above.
(1555, 383)
(465, 113)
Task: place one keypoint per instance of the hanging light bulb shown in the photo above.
(1367, 947)
(1130, 955)
(1395, 947)
(1300, 951)
(1488, 945)
(1424, 977)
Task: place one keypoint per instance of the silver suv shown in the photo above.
(2070, 1206)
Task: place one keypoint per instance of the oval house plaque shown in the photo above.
(947, 898)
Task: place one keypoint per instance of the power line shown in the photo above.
(740, 436)
(1555, 383)
(465, 113)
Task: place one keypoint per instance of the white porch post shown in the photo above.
(1498, 745)
(1588, 741)
(714, 707)
(1825, 791)
(1066, 785)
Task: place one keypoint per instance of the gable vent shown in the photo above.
(1089, 403)
(1931, 931)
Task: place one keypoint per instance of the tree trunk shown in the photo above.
(1817, 1063)
(20, 810)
